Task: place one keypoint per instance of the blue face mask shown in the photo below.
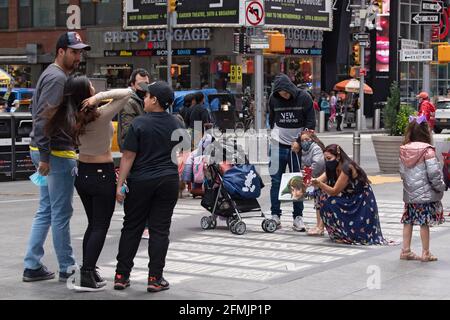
(37, 179)
(306, 145)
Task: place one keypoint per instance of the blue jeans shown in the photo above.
(55, 210)
(280, 157)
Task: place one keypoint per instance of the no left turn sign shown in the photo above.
(254, 13)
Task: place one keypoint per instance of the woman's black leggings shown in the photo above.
(96, 185)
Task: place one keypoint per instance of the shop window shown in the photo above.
(61, 11)
(108, 12)
(116, 75)
(44, 13)
(25, 14)
(21, 75)
(4, 21)
(87, 12)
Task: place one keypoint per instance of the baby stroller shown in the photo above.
(232, 189)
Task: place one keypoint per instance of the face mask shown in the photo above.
(306, 145)
(331, 165)
(37, 179)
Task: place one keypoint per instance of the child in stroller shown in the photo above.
(232, 187)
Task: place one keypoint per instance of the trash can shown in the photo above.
(6, 124)
(379, 105)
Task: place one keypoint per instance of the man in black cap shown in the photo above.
(152, 178)
(55, 158)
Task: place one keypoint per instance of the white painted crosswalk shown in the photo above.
(256, 255)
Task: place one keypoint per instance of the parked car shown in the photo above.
(442, 115)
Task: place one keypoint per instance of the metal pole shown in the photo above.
(426, 65)
(259, 87)
(169, 46)
(359, 126)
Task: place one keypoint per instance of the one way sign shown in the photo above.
(431, 6)
(425, 18)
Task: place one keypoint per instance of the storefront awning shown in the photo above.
(13, 59)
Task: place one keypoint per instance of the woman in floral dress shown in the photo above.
(347, 204)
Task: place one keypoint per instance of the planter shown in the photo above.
(387, 150)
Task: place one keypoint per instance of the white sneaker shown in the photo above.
(145, 234)
(299, 225)
(277, 220)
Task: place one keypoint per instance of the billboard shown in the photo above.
(140, 14)
(302, 14)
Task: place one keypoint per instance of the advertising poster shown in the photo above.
(382, 49)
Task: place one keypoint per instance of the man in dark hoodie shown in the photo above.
(133, 109)
(290, 112)
(134, 106)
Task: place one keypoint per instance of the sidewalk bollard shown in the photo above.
(356, 146)
(377, 119)
(322, 122)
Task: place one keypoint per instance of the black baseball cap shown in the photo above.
(71, 40)
(161, 90)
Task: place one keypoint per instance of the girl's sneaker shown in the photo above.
(156, 285)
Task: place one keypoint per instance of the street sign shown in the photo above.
(254, 13)
(259, 43)
(364, 43)
(239, 74)
(425, 18)
(361, 37)
(233, 74)
(431, 6)
(408, 55)
(409, 44)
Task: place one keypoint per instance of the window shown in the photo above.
(44, 13)
(61, 12)
(87, 13)
(4, 21)
(109, 12)
(104, 12)
(25, 14)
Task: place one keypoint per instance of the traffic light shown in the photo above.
(175, 70)
(173, 4)
(356, 55)
(444, 54)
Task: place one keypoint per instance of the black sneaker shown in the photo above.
(30, 275)
(156, 285)
(88, 283)
(64, 276)
(121, 282)
(100, 281)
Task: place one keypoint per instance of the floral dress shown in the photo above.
(352, 217)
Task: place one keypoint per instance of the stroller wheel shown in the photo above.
(264, 224)
(232, 224)
(213, 223)
(239, 228)
(205, 223)
(271, 226)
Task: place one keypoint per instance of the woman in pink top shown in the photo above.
(96, 181)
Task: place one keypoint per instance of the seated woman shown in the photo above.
(347, 204)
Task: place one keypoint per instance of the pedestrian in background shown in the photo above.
(423, 187)
(291, 112)
(427, 108)
(53, 154)
(325, 107)
(92, 132)
(152, 178)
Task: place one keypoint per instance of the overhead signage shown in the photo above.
(259, 43)
(157, 52)
(153, 13)
(425, 18)
(195, 34)
(254, 13)
(408, 55)
(431, 6)
(409, 44)
(361, 37)
(304, 14)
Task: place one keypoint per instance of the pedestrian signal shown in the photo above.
(356, 55)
